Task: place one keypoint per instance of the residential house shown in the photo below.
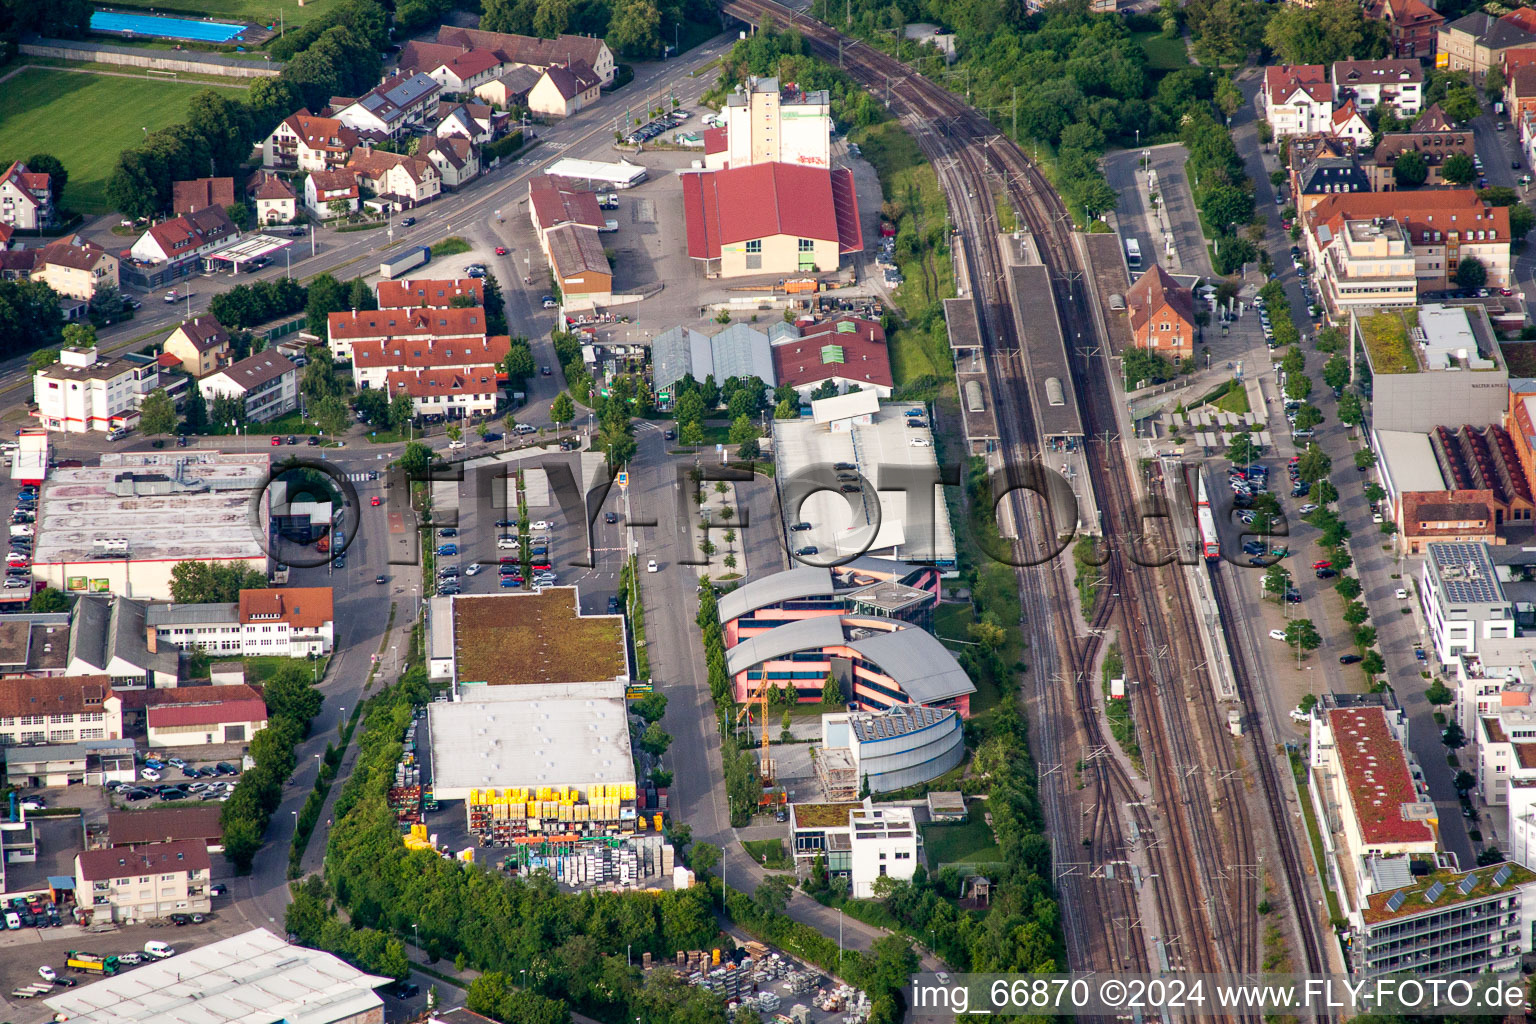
(535, 52)
(404, 181)
(849, 352)
(374, 361)
(75, 268)
(273, 198)
(418, 55)
(510, 89)
(414, 294)
(166, 824)
(1399, 83)
(1476, 42)
(1412, 26)
(322, 188)
(1437, 227)
(455, 392)
(26, 199)
(457, 159)
(884, 843)
(1162, 315)
(580, 266)
(190, 196)
(214, 721)
(771, 219)
(1348, 123)
(477, 122)
(185, 237)
(392, 105)
(304, 142)
(1324, 169)
(1434, 119)
(109, 637)
(466, 70)
(84, 391)
(1434, 146)
(345, 329)
(1520, 91)
(147, 883)
(59, 709)
(266, 381)
(201, 344)
(565, 90)
(1298, 99)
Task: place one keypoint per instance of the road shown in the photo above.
(1378, 570)
(1137, 217)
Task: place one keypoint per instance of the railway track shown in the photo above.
(1206, 899)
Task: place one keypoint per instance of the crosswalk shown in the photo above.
(359, 478)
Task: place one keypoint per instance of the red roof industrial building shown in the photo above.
(759, 201)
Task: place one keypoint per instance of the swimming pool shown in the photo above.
(173, 28)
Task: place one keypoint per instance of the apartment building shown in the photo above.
(145, 883)
(1476, 43)
(59, 709)
(267, 382)
(83, 391)
(343, 330)
(202, 345)
(402, 181)
(304, 142)
(26, 198)
(392, 106)
(1435, 147)
(1462, 600)
(374, 361)
(454, 392)
(1298, 99)
(419, 293)
(184, 238)
(322, 188)
(533, 51)
(1412, 25)
(1370, 264)
(75, 268)
(883, 843)
(1370, 83)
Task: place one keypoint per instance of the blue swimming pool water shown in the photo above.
(173, 28)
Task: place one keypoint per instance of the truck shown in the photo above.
(278, 576)
(415, 256)
(82, 962)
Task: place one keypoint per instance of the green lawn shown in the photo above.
(85, 120)
(970, 842)
(259, 668)
(768, 852)
(1163, 54)
(261, 12)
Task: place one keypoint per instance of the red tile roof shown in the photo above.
(716, 140)
(204, 332)
(553, 205)
(1152, 291)
(859, 355)
(62, 253)
(1376, 774)
(1521, 17)
(219, 713)
(437, 294)
(300, 607)
(27, 181)
(465, 322)
(187, 196)
(183, 235)
(468, 63)
(270, 186)
(323, 133)
(435, 383)
(573, 79)
(1345, 113)
(150, 859)
(339, 180)
(55, 695)
(418, 55)
(431, 353)
(762, 200)
(1282, 81)
(6, 231)
(166, 825)
(532, 50)
(1420, 212)
(138, 700)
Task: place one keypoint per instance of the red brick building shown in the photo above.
(1162, 315)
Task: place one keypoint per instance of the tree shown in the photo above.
(562, 410)
(326, 296)
(1439, 693)
(1365, 458)
(1277, 579)
(1308, 416)
(742, 430)
(454, 432)
(1351, 413)
(772, 894)
(157, 414)
(206, 583)
(1225, 206)
(332, 415)
(1244, 449)
(1466, 782)
(1336, 371)
(1355, 613)
(1409, 170)
(634, 29)
(1458, 169)
(518, 363)
(402, 409)
(786, 409)
(1330, 30)
(416, 460)
(831, 693)
(1314, 464)
(42, 359)
(1471, 273)
(289, 693)
(373, 405)
(1373, 664)
(1521, 221)
(1453, 736)
(79, 336)
(691, 433)
(1324, 493)
(1493, 85)
(48, 600)
(106, 305)
(319, 378)
(1301, 633)
(1298, 386)
(652, 706)
(552, 18)
(240, 215)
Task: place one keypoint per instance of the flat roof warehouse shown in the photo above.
(516, 639)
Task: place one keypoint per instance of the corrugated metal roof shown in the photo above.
(805, 581)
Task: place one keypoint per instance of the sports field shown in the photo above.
(85, 120)
(257, 12)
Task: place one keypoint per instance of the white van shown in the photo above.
(12, 920)
(21, 530)
(158, 950)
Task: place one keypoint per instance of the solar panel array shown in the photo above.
(1503, 875)
(1467, 884)
(1395, 902)
(1474, 582)
(1434, 892)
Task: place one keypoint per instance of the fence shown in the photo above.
(127, 56)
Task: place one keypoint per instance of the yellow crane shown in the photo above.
(760, 698)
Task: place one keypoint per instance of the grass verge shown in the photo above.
(769, 853)
(1118, 712)
(967, 842)
(450, 246)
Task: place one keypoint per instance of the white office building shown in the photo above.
(1464, 603)
(883, 841)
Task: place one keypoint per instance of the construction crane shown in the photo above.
(760, 698)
